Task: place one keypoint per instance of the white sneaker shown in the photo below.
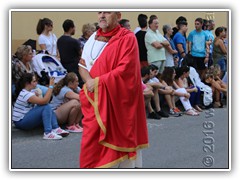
(51, 135)
(61, 132)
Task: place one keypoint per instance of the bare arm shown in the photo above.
(181, 50)
(186, 95)
(175, 85)
(84, 74)
(166, 90)
(86, 78)
(189, 90)
(157, 45)
(42, 46)
(156, 85)
(72, 95)
(222, 47)
(218, 87)
(46, 98)
(221, 83)
(189, 45)
(165, 43)
(170, 50)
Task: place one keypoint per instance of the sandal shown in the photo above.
(191, 112)
(218, 105)
(195, 110)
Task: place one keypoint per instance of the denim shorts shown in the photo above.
(222, 63)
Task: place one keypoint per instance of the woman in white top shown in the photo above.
(181, 78)
(31, 111)
(66, 103)
(170, 52)
(167, 78)
(47, 40)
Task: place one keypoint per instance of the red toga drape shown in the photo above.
(114, 114)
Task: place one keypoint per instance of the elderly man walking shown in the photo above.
(114, 123)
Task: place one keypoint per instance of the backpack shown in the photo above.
(207, 95)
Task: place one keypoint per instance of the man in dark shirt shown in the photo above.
(69, 49)
(140, 35)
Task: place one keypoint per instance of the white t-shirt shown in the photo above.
(22, 106)
(153, 80)
(91, 51)
(50, 42)
(136, 30)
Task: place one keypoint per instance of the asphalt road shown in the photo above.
(175, 143)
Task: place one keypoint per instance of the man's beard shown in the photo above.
(103, 24)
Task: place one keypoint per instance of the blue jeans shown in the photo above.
(37, 116)
(195, 97)
(222, 63)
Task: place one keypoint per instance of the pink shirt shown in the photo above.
(144, 86)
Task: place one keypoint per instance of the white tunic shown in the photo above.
(91, 51)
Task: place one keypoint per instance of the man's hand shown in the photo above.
(90, 84)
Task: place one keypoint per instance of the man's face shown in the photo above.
(184, 28)
(153, 73)
(127, 25)
(147, 77)
(108, 20)
(154, 25)
(212, 26)
(198, 25)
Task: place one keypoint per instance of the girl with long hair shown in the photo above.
(66, 103)
(47, 40)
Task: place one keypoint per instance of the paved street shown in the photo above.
(175, 142)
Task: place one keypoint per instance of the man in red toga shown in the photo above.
(112, 100)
